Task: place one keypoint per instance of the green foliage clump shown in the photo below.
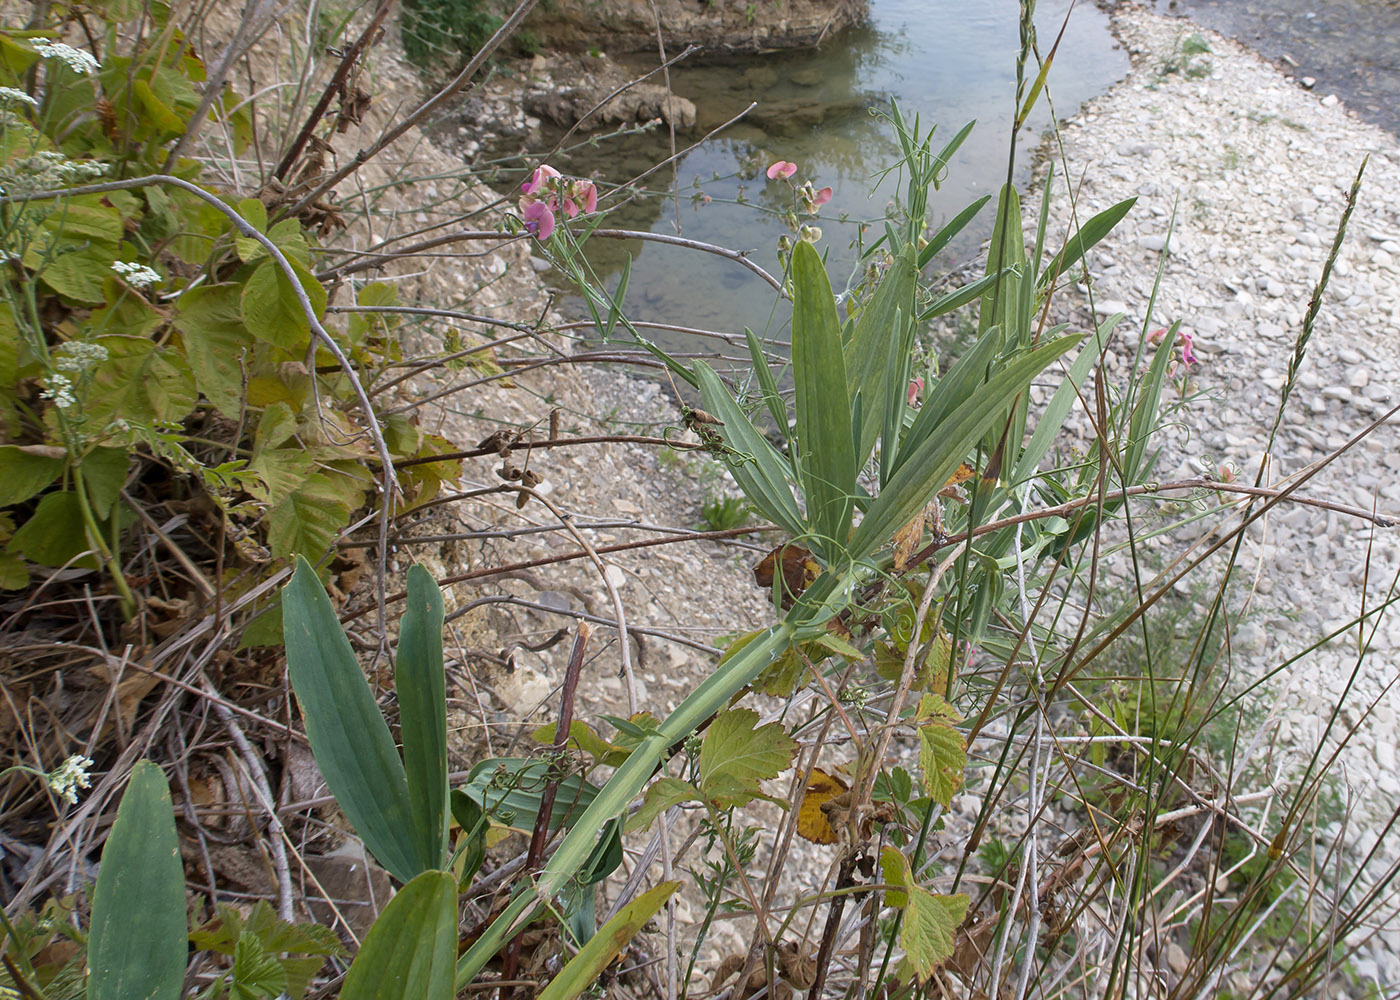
(447, 31)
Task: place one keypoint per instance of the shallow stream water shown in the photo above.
(945, 63)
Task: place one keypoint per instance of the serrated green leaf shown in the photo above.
(826, 451)
(942, 758)
(930, 923)
(271, 310)
(735, 756)
(662, 794)
(420, 682)
(138, 938)
(595, 956)
(349, 737)
(217, 344)
(140, 382)
(77, 272)
(307, 522)
(256, 972)
(409, 952)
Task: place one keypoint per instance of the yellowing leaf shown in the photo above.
(930, 920)
(906, 539)
(943, 758)
(812, 822)
(735, 757)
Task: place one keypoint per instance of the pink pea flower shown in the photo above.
(1188, 355)
(589, 193)
(539, 220)
(540, 178)
(782, 169)
(822, 197)
(916, 386)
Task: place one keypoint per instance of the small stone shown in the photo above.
(1359, 378)
(1275, 288)
(1309, 82)
(540, 264)
(1331, 101)
(1153, 243)
(1177, 959)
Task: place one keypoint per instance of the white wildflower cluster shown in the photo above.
(68, 777)
(77, 60)
(78, 357)
(13, 95)
(136, 275)
(59, 388)
(46, 169)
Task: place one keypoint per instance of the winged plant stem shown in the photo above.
(540, 834)
(817, 604)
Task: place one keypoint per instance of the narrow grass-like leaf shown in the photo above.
(772, 398)
(1047, 428)
(421, 685)
(348, 735)
(879, 324)
(945, 235)
(898, 362)
(826, 456)
(953, 389)
(949, 301)
(409, 952)
(755, 464)
(595, 956)
(1144, 416)
(952, 146)
(1007, 255)
(927, 465)
(138, 941)
(615, 310)
(1088, 235)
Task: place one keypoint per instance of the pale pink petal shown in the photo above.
(542, 176)
(590, 196)
(539, 220)
(822, 197)
(782, 169)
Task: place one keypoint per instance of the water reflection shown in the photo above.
(945, 63)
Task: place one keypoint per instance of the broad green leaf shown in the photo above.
(881, 323)
(420, 682)
(582, 737)
(584, 968)
(1086, 237)
(55, 533)
(347, 733)
(926, 466)
(141, 382)
(254, 212)
(755, 464)
(13, 575)
(409, 952)
(76, 271)
(735, 756)
(509, 790)
(942, 758)
(104, 474)
(662, 794)
(138, 940)
(280, 472)
(25, 471)
(271, 310)
(826, 451)
(217, 344)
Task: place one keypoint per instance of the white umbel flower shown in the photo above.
(78, 60)
(13, 95)
(68, 777)
(136, 275)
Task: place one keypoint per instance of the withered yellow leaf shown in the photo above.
(812, 823)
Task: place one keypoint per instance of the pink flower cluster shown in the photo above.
(547, 193)
(1184, 340)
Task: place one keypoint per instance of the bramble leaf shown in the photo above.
(735, 757)
(930, 920)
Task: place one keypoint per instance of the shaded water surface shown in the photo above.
(946, 63)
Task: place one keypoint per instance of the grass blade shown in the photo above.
(595, 956)
(1088, 235)
(772, 398)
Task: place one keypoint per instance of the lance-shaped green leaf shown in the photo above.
(1086, 237)
(138, 941)
(348, 735)
(881, 323)
(755, 464)
(1047, 427)
(595, 956)
(409, 952)
(1006, 257)
(1144, 416)
(926, 466)
(826, 452)
(421, 685)
(945, 235)
(958, 297)
(772, 398)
